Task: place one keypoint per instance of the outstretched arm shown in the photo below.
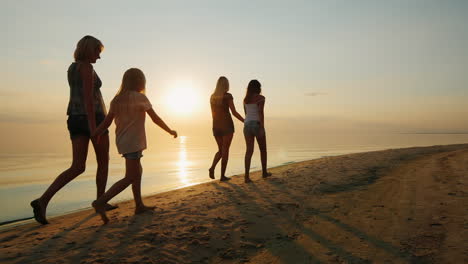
(158, 121)
(234, 112)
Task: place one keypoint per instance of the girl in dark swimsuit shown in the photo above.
(223, 127)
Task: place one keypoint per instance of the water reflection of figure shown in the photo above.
(129, 108)
(85, 111)
(223, 127)
(254, 127)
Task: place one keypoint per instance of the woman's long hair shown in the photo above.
(222, 86)
(253, 88)
(132, 80)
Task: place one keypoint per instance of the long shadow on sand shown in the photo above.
(53, 242)
(389, 248)
(146, 246)
(334, 248)
(240, 197)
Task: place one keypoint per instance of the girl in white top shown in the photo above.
(129, 108)
(254, 127)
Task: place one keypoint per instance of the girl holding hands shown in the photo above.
(129, 108)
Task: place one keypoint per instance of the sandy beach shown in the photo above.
(391, 206)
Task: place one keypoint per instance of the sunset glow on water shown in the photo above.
(175, 164)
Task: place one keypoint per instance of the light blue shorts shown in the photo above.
(133, 155)
(253, 128)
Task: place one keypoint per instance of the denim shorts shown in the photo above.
(78, 125)
(253, 128)
(133, 155)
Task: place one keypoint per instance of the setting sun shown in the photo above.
(182, 98)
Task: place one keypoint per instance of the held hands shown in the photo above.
(96, 139)
(95, 136)
(173, 133)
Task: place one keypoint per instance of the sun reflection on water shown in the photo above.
(183, 163)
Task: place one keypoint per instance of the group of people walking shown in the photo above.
(88, 120)
(223, 127)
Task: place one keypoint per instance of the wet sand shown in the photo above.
(392, 206)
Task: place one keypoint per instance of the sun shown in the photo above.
(183, 98)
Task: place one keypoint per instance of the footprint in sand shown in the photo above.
(221, 220)
(198, 229)
(9, 238)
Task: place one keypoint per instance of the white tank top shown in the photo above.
(251, 113)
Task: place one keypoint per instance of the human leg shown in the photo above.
(134, 166)
(102, 158)
(131, 171)
(80, 153)
(261, 140)
(217, 156)
(249, 143)
(227, 139)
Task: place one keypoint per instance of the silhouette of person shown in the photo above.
(254, 127)
(85, 111)
(223, 127)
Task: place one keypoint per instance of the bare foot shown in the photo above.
(211, 173)
(142, 209)
(110, 207)
(39, 212)
(101, 210)
(268, 174)
(247, 180)
(224, 178)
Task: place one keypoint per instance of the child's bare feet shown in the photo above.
(144, 208)
(39, 212)
(266, 174)
(247, 180)
(101, 210)
(211, 171)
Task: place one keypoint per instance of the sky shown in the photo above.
(396, 66)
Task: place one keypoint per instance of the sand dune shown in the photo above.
(393, 206)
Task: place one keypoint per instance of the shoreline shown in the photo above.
(27, 220)
(397, 205)
(19, 192)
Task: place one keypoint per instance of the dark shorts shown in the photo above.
(253, 129)
(223, 126)
(133, 155)
(218, 132)
(78, 125)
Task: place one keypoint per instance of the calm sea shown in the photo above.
(174, 163)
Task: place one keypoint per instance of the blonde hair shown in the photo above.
(86, 47)
(222, 86)
(132, 80)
